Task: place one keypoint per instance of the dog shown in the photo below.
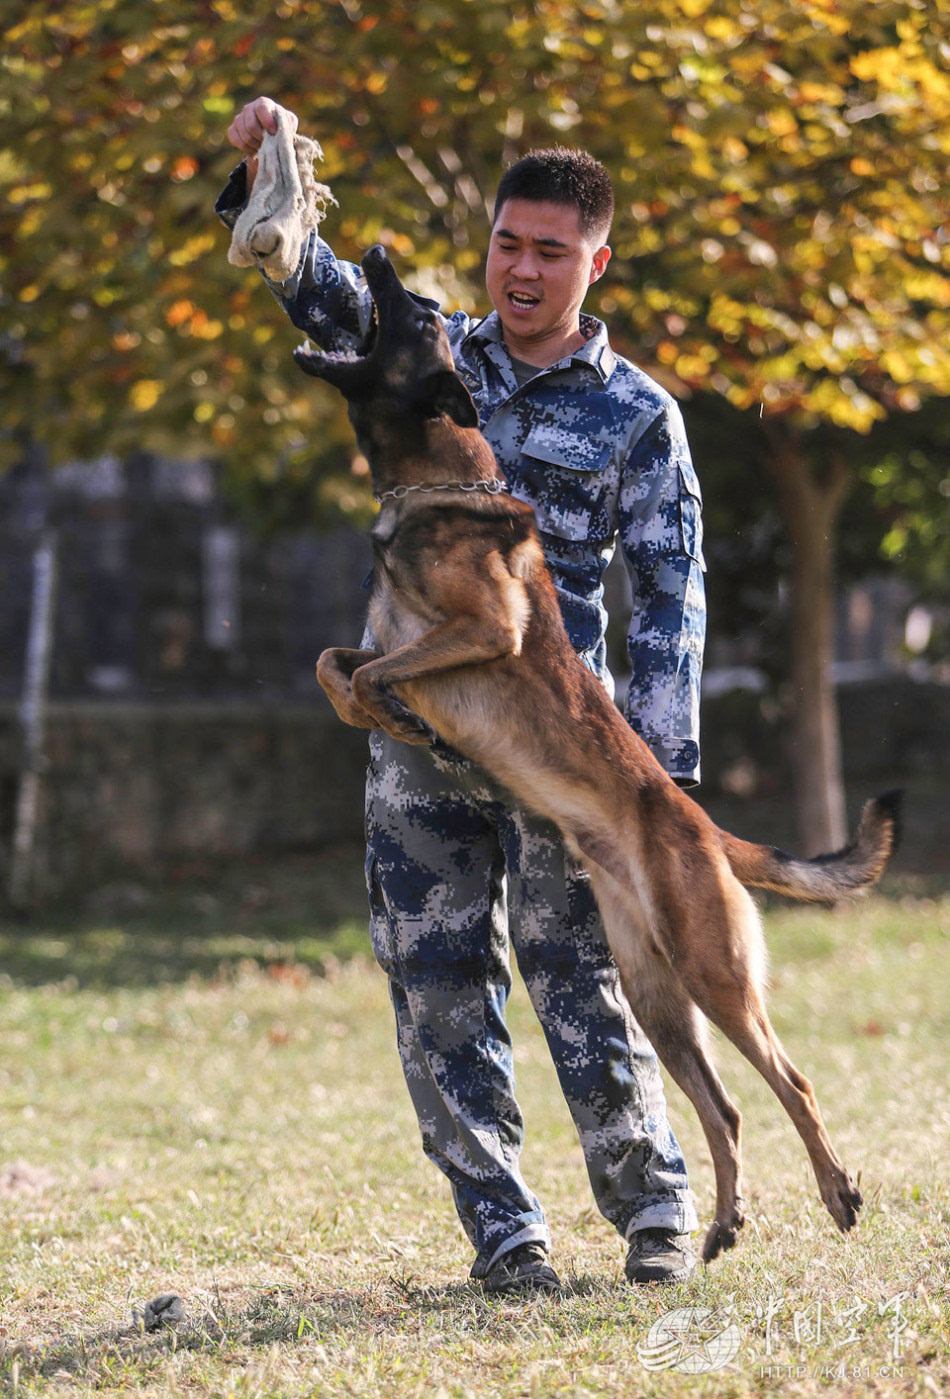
(472, 648)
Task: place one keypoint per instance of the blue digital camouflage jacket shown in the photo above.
(599, 450)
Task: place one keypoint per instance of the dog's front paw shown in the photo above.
(390, 712)
(407, 726)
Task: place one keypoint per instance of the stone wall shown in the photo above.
(164, 595)
(132, 786)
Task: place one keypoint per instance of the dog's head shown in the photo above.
(405, 370)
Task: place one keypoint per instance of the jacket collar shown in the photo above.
(594, 354)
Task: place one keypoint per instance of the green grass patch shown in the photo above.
(193, 917)
(214, 1107)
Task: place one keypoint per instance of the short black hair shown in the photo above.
(563, 176)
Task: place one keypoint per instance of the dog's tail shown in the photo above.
(826, 878)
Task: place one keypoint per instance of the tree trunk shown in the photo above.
(810, 502)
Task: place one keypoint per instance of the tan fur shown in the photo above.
(472, 647)
(490, 669)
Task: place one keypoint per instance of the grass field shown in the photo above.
(214, 1107)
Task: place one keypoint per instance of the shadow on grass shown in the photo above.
(194, 918)
(310, 907)
(127, 1355)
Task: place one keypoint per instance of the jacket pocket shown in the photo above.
(380, 932)
(691, 515)
(562, 477)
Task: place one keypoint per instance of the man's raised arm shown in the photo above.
(325, 297)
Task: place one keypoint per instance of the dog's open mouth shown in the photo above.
(306, 351)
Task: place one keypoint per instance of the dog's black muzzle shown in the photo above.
(389, 294)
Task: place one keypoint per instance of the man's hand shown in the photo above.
(250, 126)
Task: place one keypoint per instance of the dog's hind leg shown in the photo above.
(679, 1034)
(752, 1034)
(727, 988)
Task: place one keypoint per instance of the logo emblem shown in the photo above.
(692, 1340)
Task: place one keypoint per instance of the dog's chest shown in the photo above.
(394, 622)
(397, 613)
(434, 562)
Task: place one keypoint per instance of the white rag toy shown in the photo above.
(286, 202)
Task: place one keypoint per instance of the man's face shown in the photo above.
(539, 267)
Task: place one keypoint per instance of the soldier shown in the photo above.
(454, 868)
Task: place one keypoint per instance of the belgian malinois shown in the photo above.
(472, 648)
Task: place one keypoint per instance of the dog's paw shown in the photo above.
(410, 729)
(843, 1205)
(388, 711)
(722, 1235)
(402, 722)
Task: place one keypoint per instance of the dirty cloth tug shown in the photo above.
(286, 202)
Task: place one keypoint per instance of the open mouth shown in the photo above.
(342, 357)
(523, 300)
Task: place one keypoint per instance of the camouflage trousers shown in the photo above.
(453, 870)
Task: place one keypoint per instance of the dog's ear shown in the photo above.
(444, 392)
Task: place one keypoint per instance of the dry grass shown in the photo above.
(243, 1138)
